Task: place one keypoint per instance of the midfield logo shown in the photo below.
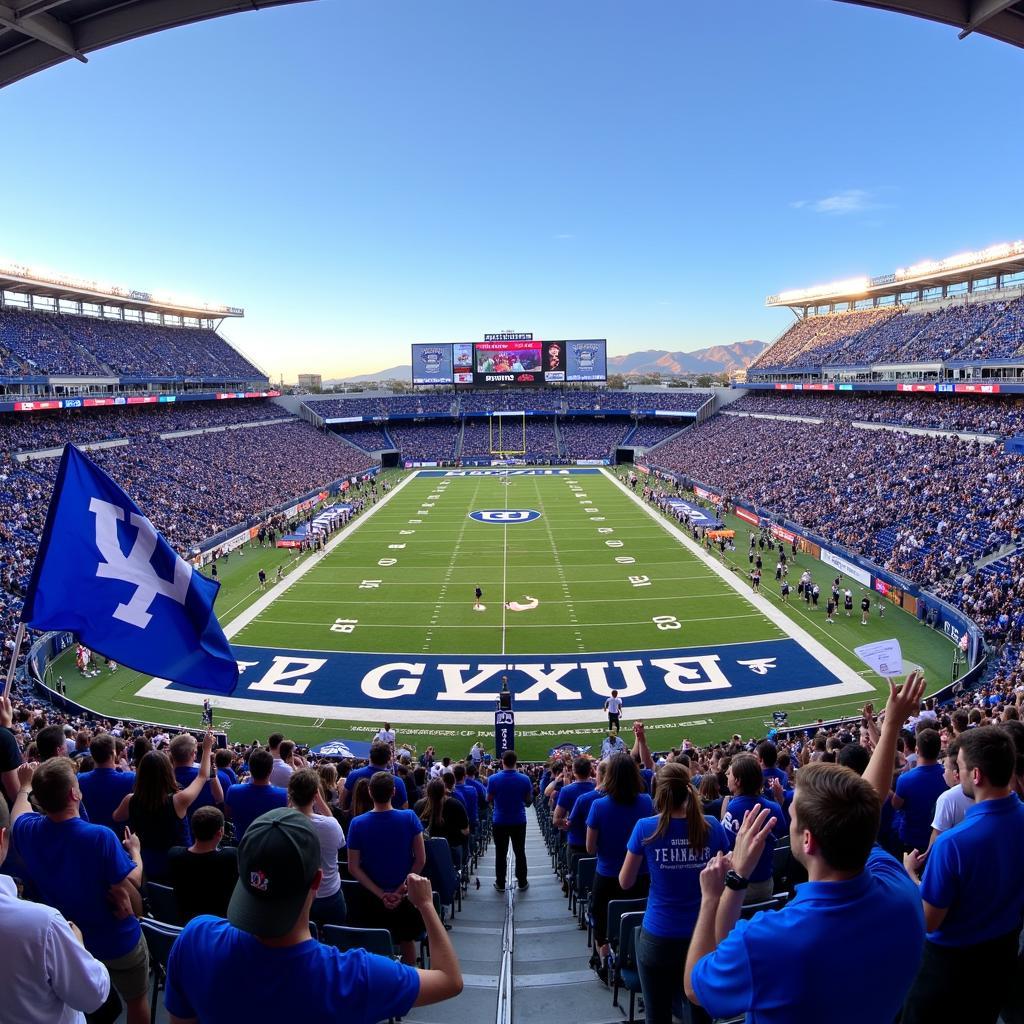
(505, 516)
(136, 567)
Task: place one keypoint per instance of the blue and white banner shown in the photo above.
(411, 688)
(106, 575)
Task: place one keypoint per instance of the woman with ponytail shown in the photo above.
(444, 817)
(674, 845)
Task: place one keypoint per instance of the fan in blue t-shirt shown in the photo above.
(745, 782)
(675, 846)
(380, 761)
(918, 790)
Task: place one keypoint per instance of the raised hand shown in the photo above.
(906, 699)
(757, 824)
(712, 878)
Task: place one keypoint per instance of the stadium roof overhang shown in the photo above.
(59, 287)
(1000, 19)
(998, 260)
(36, 34)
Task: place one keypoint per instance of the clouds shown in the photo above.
(841, 204)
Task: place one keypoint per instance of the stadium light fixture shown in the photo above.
(963, 259)
(851, 286)
(42, 275)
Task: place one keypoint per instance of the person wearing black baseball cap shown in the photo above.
(262, 963)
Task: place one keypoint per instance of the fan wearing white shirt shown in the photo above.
(952, 805)
(386, 735)
(46, 975)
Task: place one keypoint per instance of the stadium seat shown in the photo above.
(441, 872)
(163, 903)
(345, 937)
(624, 972)
(159, 938)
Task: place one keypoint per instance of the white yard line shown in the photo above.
(258, 607)
(504, 571)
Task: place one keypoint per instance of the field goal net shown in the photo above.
(507, 433)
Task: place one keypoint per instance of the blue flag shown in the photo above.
(106, 575)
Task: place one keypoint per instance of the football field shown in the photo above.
(584, 589)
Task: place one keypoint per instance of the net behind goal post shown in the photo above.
(508, 433)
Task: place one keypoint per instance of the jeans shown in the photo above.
(660, 963)
(329, 909)
(503, 835)
(964, 983)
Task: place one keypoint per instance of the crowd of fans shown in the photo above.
(1001, 416)
(957, 331)
(924, 506)
(33, 344)
(368, 437)
(425, 441)
(32, 431)
(585, 438)
(648, 433)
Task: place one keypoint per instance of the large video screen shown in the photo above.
(432, 364)
(516, 362)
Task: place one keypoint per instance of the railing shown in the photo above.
(503, 1014)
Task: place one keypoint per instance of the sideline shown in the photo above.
(261, 604)
(852, 681)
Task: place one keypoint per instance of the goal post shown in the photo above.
(507, 434)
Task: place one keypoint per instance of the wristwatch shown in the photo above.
(735, 881)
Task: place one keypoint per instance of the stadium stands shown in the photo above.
(23, 432)
(915, 503)
(369, 438)
(584, 438)
(435, 442)
(50, 343)
(957, 331)
(1002, 416)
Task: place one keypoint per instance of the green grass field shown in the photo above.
(565, 560)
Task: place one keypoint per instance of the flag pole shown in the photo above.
(19, 636)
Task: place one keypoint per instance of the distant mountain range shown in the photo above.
(717, 359)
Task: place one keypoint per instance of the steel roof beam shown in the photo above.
(44, 28)
(982, 11)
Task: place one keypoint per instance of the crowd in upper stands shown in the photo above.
(32, 431)
(584, 438)
(1002, 416)
(957, 331)
(40, 344)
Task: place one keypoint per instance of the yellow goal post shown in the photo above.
(507, 434)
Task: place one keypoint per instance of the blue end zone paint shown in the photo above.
(509, 472)
(557, 688)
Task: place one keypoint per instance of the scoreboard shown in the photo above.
(517, 359)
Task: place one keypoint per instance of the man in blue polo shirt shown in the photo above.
(972, 891)
(380, 761)
(918, 790)
(105, 787)
(247, 801)
(855, 888)
(511, 793)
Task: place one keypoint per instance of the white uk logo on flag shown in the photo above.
(136, 567)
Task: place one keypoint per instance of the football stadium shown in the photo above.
(617, 680)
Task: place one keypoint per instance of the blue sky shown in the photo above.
(362, 176)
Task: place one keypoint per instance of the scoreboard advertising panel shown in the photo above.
(511, 359)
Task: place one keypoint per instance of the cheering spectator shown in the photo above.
(261, 964)
(972, 891)
(579, 782)
(183, 756)
(674, 845)
(746, 781)
(204, 875)
(81, 870)
(247, 801)
(105, 786)
(854, 888)
(384, 846)
(610, 822)
(10, 753)
(510, 792)
(918, 790)
(156, 808)
(305, 796)
(46, 974)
